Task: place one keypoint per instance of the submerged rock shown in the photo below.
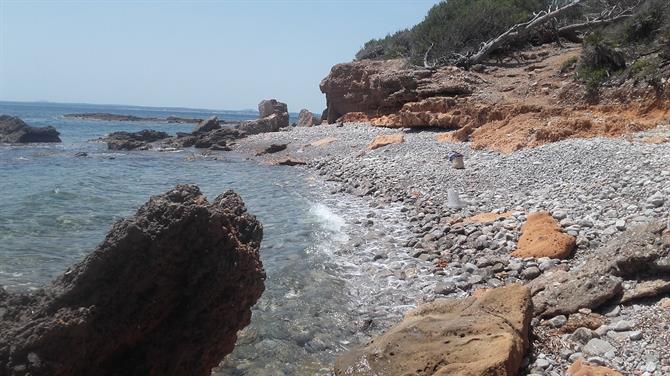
(133, 140)
(164, 294)
(485, 335)
(15, 131)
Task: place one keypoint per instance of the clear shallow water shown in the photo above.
(55, 208)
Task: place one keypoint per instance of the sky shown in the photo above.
(225, 54)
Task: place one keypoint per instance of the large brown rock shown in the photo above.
(15, 131)
(273, 117)
(487, 335)
(382, 87)
(541, 236)
(638, 254)
(164, 294)
(386, 139)
(307, 119)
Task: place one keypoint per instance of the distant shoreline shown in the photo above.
(103, 116)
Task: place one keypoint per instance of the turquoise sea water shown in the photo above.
(55, 208)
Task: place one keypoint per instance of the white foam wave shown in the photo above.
(328, 219)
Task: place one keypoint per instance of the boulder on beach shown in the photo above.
(164, 294)
(541, 236)
(273, 116)
(133, 140)
(580, 368)
(484, 335)
(15, 131)
(307, 119)
(386, 139)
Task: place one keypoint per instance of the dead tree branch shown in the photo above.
(610, 14)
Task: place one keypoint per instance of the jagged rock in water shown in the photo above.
(15, 131)
(210, 124)
(133, 140)
(639, 254)
(484, 335)
(164, 294)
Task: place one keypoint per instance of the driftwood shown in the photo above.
(610, 14)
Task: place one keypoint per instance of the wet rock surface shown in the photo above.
(164, 294)
(15, 131)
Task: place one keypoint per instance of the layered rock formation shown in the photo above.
(15, 131)
(273, 116)
(133, 140)
(377, 88)
(640, 255)
(485, 335)
(164, 294)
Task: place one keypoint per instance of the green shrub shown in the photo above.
(569, 64)
(452, 26)
(647, 22)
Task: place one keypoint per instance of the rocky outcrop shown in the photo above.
(485, 335)
(307, 119)
(386, 139)
(164, 294)
(15, 131)
(541, 236)
(273, 117)
(637, 255)
(104, 116)
(377, 88)
(133, 140)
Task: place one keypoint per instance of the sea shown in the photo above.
(56, 207)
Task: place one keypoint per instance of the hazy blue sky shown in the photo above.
(226, 54)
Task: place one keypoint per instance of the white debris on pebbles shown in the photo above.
(415, 249)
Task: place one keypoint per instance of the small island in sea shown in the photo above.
(104, 116)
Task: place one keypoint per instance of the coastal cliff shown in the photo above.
(164, 294)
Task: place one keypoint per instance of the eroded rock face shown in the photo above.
(15, 131)
(133, 140)
(485, 335)
(640, 254)
(164, 294)
(377, 88)
(541, 236)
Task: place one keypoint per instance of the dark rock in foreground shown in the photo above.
(133, 140)
(15, 131)
(103, 116)
(164, 294)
